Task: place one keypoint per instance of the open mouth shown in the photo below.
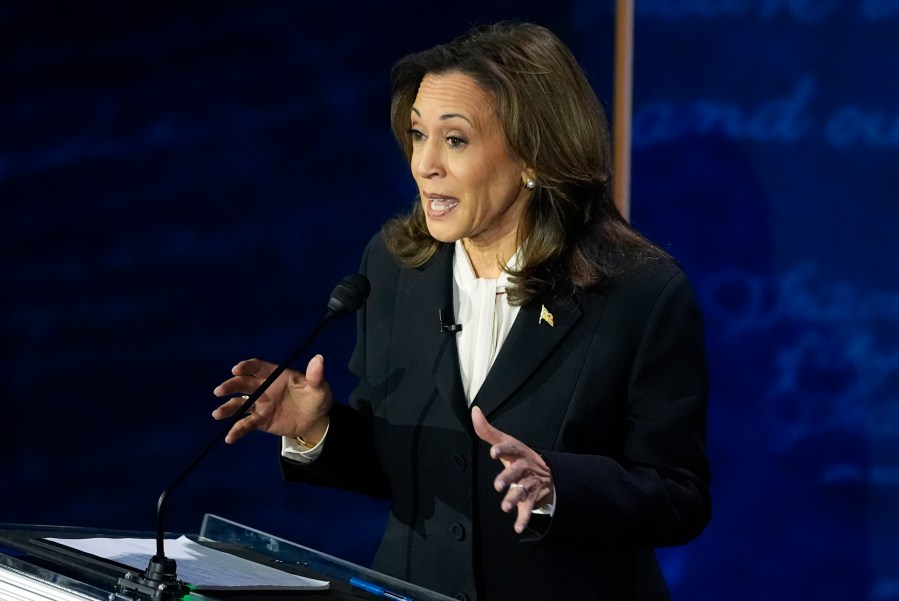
(438, 206)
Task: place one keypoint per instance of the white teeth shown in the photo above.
(441, 205)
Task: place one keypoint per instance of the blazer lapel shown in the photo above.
(531, 339)
(425, 292)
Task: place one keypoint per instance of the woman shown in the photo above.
(542, 449)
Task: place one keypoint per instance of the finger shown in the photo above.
(229, 408)
(483, 429)
(522, 497)
(503, 447)
(251, 367)
(525, 511)
(236, 385)
(508, 450)
(315, 372)
(513, 472)
(517, 493)
(514, 461)
(241, 429)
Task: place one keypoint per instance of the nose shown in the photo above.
(427, 159)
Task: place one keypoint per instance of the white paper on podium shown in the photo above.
(199, 566)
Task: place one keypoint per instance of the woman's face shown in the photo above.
(471, 187)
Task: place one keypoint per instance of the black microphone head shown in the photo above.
(349, 295)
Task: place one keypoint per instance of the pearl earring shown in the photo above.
(530, 184)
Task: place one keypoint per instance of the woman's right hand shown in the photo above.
(296, 404)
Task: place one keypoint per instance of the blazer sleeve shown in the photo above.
(349, 459)
(656, 492)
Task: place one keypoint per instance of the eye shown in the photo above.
(416, 135)
(456, 141)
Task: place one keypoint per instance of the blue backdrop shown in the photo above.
(183, 183)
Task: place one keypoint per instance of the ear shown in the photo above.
(527, 173)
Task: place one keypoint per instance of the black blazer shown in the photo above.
(613, 395)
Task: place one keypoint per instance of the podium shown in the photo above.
(33, 570)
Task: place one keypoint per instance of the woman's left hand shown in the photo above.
(526, 478)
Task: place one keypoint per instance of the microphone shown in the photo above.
(159, 581)
(348, 295)
(447, 322)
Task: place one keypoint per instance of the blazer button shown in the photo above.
(462, 597)
(459, 462)
(457, 530)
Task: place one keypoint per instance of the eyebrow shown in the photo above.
(446, 116)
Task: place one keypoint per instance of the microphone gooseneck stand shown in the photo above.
(159, 582)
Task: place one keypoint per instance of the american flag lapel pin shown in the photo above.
(546, 316)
